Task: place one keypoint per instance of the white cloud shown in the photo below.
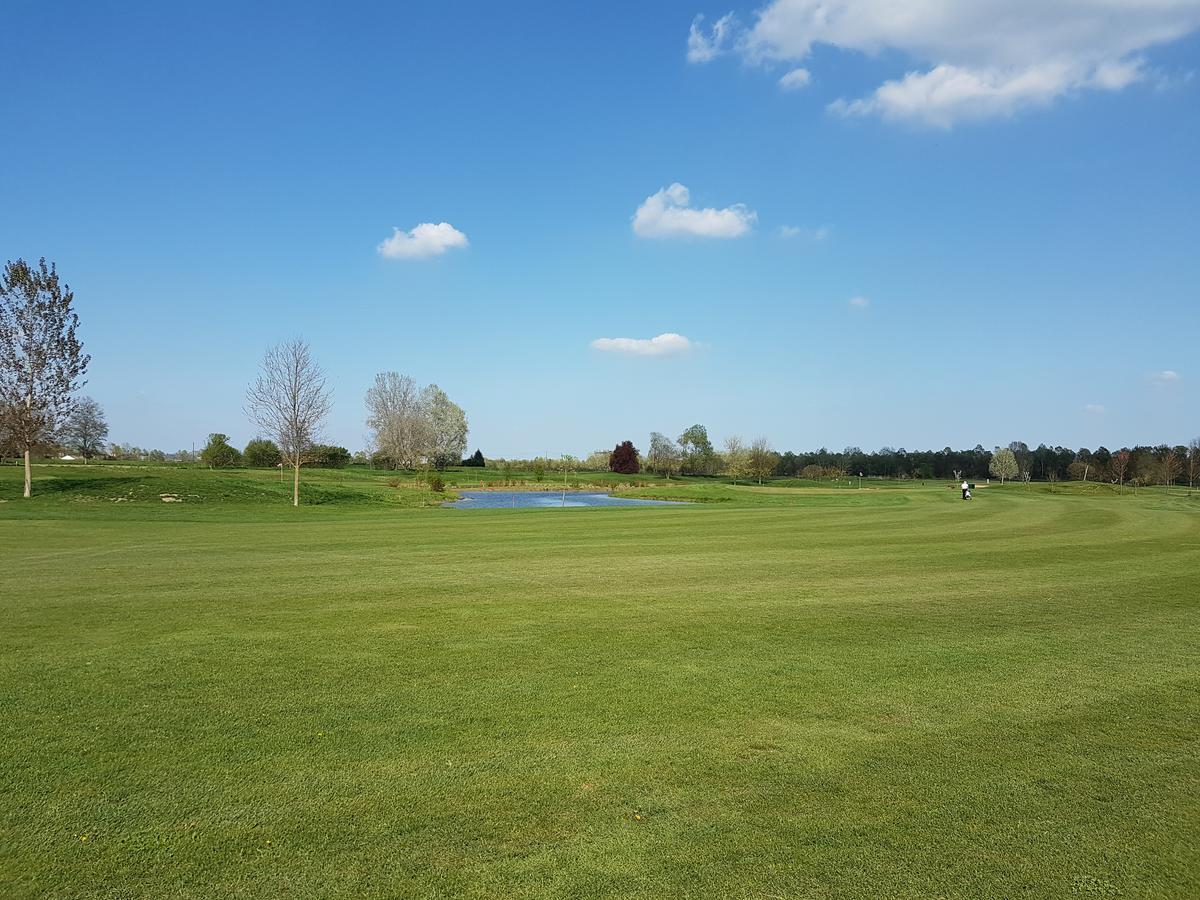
(668, 214)
(423, 241)
(859, 302)
(1097, 408)
(666, 344)
(949, 94)
(703, 47)
(812, 234)
(973, 59)
(795, 80)
(1166, 377)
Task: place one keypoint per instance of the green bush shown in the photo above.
(261, 453)
(437, 483)
(324, 456)
(217, 453)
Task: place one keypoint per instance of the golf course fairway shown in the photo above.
(790, 693)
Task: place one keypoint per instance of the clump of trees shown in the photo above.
(754, 462)
(326, 456)
(624, 459)
(290, 401)
(597, 461)
(262, 453)
(475, 461)
(1138, 465)
(821, 473)
(42, 362)
(218, 453)
(411, 427)
(665, 456)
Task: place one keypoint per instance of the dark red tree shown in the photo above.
(624, 459)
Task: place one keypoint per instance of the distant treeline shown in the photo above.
(1143, 464)
(1043, 463)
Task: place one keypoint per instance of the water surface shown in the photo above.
(546, 499)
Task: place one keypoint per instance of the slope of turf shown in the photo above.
(792, 693)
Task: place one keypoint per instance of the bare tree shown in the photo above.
(1193, 463)
(41, 360)
(290, 401)
(1171, 465)
(397, 419)
(1119, 466)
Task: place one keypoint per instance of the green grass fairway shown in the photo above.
(791, 693)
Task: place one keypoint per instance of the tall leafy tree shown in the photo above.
(85, 430)
(761, 459)
(664, 456)
(42, 362)
(699, 457)
(736, 458)
(624, 459)
(447, 428)
(1004, 464)
(290, 401)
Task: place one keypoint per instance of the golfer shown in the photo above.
(966, 491)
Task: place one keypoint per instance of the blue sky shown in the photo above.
(1017, 214)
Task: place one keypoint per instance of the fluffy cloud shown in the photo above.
(975, 58)
(422, 242)
(668, 214)
(949, 94)
(1096, 408)
(795, 80)
(704, 47)
(859, 302)
(1166, 377)
(663, 345)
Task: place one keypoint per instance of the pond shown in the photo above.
(546, 500)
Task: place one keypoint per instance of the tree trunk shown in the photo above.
(296, 486)
(28, 476)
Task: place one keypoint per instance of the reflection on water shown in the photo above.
(545, 499)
